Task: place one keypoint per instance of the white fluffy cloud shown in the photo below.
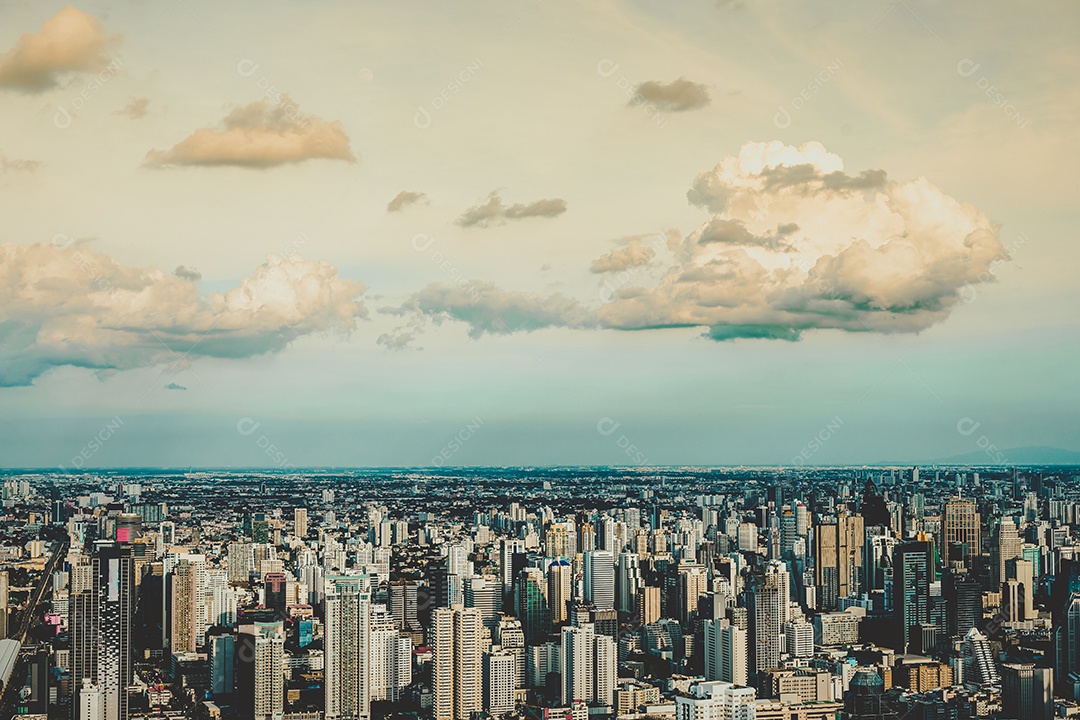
(795, 243)
(260, 135)
(66, 305)
(633, 253)
(70, 41)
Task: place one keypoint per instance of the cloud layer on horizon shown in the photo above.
(71, 41)
(262, 134)
(62, 304)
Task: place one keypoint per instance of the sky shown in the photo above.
(285, 234)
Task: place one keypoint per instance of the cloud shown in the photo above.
(69, 42)
(174, 386)
(135, 109)
(259, 135)
(66, 305)
(733, 232)
(12, 165)
(403, 199)
(398, 339)
(489, 309)
(633, 254)
(795, 243)
(186, 273)
(494, 212)
(676, 96)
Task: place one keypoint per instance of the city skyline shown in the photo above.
(387, 235)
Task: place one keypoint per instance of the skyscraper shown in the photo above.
(768, 608)
(1027, 692)
(629, 581)
(1023, 573)
(103, 602)
(347, 647)
(1008, 547)
(3, 604)
(390, 657)
(185, 604)
(912, 569)
(588, 665)
(725, 652)
(559, 589)
(485, 594)
(300, 522)
(961, 525)
(457, 675)
(222, 658)
(403, 604)
(531, 605)
(260, 670)
(600, 579)
(500, 681)
(648, 604)
(838, 559)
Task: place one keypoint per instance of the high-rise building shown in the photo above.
(600, 579)
(531, 605)
(222, 659)
(91, 702)
(300, 522)
(961, 526)
(457, 674)
(716, 701)
(560, 587)
(877, 560)
(274, 591)
(511, 555)
(347, 648)
(260, 670)
(185, 604)
(486, 595)
(390, 657)
(241, 561)
(648, 604)
(692, 583)
(768, 599)
(629, 582)
(1008, 546)
(913, 567)
(1027, 692)
(963, 595)
(403, 604)
(3, 604)
(799, 635)
(102, 607)
(978, 659)
(589, 663)
(500, 681)
(1023, 573)
(838, 559)
(725, 652)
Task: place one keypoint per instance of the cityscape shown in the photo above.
(615, 592)
(539, 360)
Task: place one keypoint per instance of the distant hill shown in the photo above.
(1030, 455)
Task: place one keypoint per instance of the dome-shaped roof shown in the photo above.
(867, 682)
